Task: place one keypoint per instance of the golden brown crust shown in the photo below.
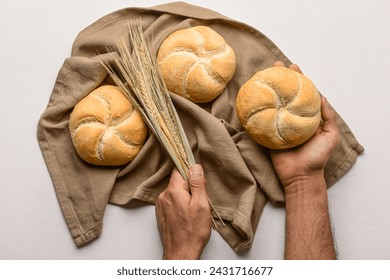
(279, 108)
(196, 63)
(105, 128)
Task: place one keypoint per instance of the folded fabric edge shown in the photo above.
(238, 233)
(347, 164)
(83, 238)
(80, 238)
(356, 149)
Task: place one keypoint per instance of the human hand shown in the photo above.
(308, 159)
(183, 215)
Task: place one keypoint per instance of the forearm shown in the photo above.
(308, 229)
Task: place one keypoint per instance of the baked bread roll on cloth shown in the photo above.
(279, 108)
(105, 128)
(240, 177)
(196, 63)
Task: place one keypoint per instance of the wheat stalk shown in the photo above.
(138, 76)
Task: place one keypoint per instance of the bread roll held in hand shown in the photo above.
(279, 108)
(106, 129)
(196, 63)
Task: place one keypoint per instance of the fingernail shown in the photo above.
(196, 169)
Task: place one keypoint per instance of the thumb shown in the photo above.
(196, 180)
(329, 126)
(328, 116)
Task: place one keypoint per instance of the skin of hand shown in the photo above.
(301, 172)
(310, 158)
(183, 215)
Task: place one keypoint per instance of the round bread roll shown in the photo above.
(279, 108)
(196, 63)
(106, 129)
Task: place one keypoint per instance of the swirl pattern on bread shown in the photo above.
(279, 108)
(106, 129)
(196, 63)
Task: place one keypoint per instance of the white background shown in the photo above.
(343, 46)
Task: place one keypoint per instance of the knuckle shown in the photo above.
(198, 182)
(202, 205)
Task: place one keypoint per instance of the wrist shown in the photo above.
(182, 253)
(306, 185)
(180, 256)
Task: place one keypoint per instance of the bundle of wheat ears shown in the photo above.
(138, 76)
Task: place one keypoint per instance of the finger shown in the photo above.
(329, 120)
(177, 182)
(197, 181)
(296, 68)
(177, 191)
(278, 64)
(159, 205)
(293, 66)
(161, 199)
(328, 115)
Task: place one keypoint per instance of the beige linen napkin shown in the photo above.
(239, 173)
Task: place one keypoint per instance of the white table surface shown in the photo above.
(343, 46)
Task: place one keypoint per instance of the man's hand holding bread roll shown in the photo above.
(301, 171)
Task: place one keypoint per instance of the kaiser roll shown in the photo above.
(196, 63)
(279, 108)
(105, 128)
